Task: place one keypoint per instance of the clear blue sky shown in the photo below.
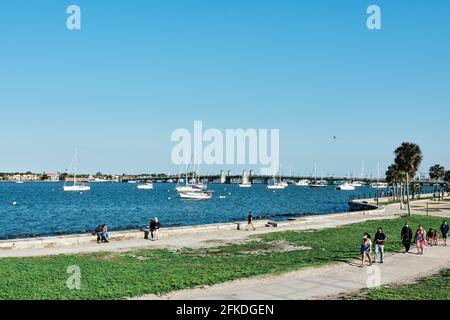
(140, 69)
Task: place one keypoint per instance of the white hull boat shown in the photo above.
(357, 184)
(345, 187)
(146, 186)
(77, 188)
(379, 185)
(204, 195)
(302, 183)
(245, 185)
(318, 184)
(190, 188)
(276, 186)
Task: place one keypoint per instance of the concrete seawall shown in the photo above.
(81, 239)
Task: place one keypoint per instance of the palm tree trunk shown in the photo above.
(407, 194)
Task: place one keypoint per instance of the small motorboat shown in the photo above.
(146, 186)
(345, 187)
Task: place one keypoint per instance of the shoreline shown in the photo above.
(175, 232)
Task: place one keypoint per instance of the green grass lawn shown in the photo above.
(436, 287)
(138, 272)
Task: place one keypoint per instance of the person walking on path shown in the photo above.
(250, 221)
(379, 239)
(419, 239)
(436, 238)
(444, 231)
(366, 249)
(406, 237)
(430, 235)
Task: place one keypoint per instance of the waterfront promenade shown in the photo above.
(307, 283)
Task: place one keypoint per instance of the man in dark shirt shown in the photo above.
(444, 231)
(250, 221)
(380, 238)
(406, 237)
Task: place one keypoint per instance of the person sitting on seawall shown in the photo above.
(154, 228)
(98, 233)
(105, 236)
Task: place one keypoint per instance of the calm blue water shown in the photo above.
(44, 209)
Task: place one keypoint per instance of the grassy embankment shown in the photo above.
(431, 288)
(126, 274)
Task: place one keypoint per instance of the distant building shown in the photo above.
(24, 177)
(51, 176)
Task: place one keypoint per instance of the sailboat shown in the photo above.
(302, 183)
(277, 184)
(378, 184)
(318, 183)
(192, 190)
(359, 183)
(77, 186)
(245, 181)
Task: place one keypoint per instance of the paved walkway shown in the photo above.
(196, 240)
(321, 282)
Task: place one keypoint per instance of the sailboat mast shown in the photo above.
(75, 167)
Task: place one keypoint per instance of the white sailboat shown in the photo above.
(346, 186)
(378, 184)
(190, 185)
(318, 183)
(277, 184)
(245, 181)
(302, 183)
(76, 186)
(146, 186)
(196, 195)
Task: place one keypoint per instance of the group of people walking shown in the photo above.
(420, 238)
(366, 247)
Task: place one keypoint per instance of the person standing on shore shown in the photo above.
(406, 236)
(380, 238)
(366, 249)
(444, 231)
(419, 239)
(250, 221)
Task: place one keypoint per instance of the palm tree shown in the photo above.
(408, 158)
(447, 179)
(395, 177)
(437, 172)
